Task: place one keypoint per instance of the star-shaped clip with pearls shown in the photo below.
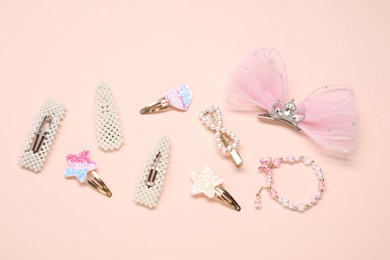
(209, 184)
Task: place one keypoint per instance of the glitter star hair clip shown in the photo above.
(327, 115)
(209, 184)
(83, 168)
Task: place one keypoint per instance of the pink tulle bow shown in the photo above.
(327, 115)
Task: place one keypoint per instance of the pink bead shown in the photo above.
(276, 162)
(273, 193)
(321, 185)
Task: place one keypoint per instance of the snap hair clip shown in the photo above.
(152, 175)
(81, 167)
(41, 136)
(267, 165)
(227, 141)
(327, 115)
(109, 132)
(179, 99)
(209, 184)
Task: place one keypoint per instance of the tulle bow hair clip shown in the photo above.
(327, 115)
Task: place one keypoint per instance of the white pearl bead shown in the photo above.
(301, 207)
(291, 206)
(219, 146)
(223, 130)
(224, 150)
(285, 202)
(219, 140)
(307, 160)
(234, 145)
(217, 128)
(218, 134)
(212, 127)
(228, 132)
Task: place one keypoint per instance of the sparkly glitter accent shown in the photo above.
(205, 182)
(179, 99)
(79, 165)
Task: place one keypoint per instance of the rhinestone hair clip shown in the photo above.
(327, 115)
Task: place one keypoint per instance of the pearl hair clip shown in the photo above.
(267, 165)
(109, 133)
(41, 136)
(209, 184)
(81, 167)
(327, 115)
(178, 99)
(152, 176)
(227, 141)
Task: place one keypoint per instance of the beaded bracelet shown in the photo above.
(267, 166)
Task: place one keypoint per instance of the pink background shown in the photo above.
(63, 50)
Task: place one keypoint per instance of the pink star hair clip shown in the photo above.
(327, 115)
(81, 167)
(178, 99)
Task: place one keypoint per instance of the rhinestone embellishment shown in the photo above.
(288, 112)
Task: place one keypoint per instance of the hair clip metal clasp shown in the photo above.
(41, 134)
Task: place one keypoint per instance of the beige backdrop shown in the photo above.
(63, 49)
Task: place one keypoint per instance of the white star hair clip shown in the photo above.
(209, 184)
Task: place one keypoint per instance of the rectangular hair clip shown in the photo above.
(41, 136)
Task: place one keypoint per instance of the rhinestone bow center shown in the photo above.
(288, 112)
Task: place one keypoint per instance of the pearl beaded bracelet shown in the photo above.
(267, 166)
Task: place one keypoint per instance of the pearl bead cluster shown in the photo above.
(216, 125)
(268, 164)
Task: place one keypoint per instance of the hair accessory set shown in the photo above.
(327, 115)
(81, 167)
